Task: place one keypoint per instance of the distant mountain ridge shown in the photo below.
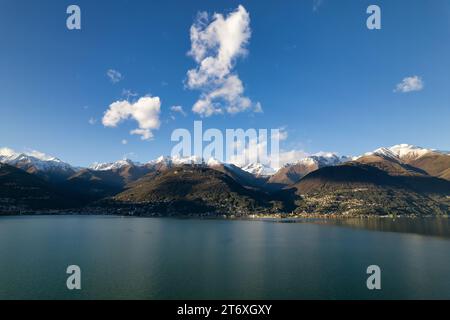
(35, 161)
(48, 167)
(401, 179)
(293, 172)
(403, 152)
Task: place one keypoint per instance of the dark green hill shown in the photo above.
(356, 188)
(21, 191)
(196, 189)
(90, 185)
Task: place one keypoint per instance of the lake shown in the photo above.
(164, 258)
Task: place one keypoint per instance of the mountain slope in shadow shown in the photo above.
(21, 191)
(356, 188)
(192, 189)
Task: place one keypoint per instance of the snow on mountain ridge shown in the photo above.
(410, 151)
(383, 152)
(39, 160)
(177, 160)
(112, 165)
(162, 160)
(259, 169)
(401, 152)
(7, 152)
(322, 159)
(44, 162)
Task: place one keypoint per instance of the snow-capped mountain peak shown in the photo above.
(7, 153)
(178, 160)
(162, 159)
(36, 159)
(259, 169)
(383, 152)
(323, 159)
(401, 152)
(112, 165)
(409, 151)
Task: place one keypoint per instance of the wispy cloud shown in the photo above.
(408, 84)
(129, 156)
(317, 4)
(145, 111)
(216, 43)
(92, 121)
(114, 75)
(128, 94)
(178, 109)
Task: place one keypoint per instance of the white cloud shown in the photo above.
(92, 121)
(284, 157)
(145, 111)
(114, 75)
(145, 134)
(291, 156)
(206, 107)
(216, 43)
(124, 141)
(409, 84)
(39, 155)
(178, 109)
(259, 150)
(281, 135)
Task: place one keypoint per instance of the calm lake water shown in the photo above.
(149, 258)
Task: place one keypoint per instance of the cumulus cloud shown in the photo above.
(216, 43)
(409, 84)
(145, 111)
(114, 75)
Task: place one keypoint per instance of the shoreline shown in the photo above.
(276, 217)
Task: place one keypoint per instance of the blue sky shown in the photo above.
(317, 72)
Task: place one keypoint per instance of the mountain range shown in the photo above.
(400, 180)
